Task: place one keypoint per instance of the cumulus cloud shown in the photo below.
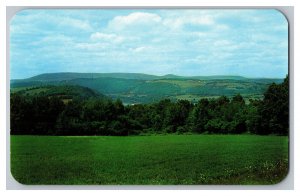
(53, 39)
(134, 19)
(139, 49)
(179, 22)
(98, 36)
(90, 46)
(190, 42)
(75, 23)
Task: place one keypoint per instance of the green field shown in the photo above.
(151, 160)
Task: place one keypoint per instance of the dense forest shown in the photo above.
(50, 115)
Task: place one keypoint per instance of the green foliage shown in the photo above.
(61, 91)
(274, 109)
(141, 88)
(46, 114)
(34, 115)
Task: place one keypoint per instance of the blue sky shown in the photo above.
(251, 43)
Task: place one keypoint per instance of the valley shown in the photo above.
(134, 88)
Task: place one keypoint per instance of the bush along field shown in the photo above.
(215, 141)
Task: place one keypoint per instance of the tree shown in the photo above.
(56, 106)
(21, 121)
(49, 115)
(201, 115)
(253, 117)
(119, 107)
(274, 109)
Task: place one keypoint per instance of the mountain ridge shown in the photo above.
(143, 88)
(72, 75)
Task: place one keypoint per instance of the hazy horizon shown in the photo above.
(146, 74)
(197, 42)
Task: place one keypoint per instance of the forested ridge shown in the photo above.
(142, 88)
(49, 115)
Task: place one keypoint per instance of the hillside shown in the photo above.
(143, 88)
(65, 92)
(70, 75)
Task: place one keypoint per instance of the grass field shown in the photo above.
(153, 160)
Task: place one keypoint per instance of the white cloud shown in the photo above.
(221, 27)
(106, 37)
(139, 49)
(185, 40)
(222, 43)
(90, 46)
(75, 23)
(261, 37)
(191, 18)
(42, 20)
(56, 38)
(133, 19)
(179, 22)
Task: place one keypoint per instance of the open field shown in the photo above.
(153, 160)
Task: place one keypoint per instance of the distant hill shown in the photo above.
(70, 76)
(219, 77)
(138, 76)
(143, 88)
(62, 91)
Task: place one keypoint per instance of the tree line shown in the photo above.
(44, 115)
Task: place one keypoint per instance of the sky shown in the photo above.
(186, 42)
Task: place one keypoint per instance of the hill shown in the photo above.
(66, 92)
(62, 76)
(143, 88)
(71, 75)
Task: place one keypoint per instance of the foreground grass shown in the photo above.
(170, 159)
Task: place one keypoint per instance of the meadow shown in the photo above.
(149, 160)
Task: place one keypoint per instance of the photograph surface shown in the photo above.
(149, 96)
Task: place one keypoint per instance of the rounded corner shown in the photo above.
(283, 178)
(13, 177)
(15, 13)
(280, 12)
